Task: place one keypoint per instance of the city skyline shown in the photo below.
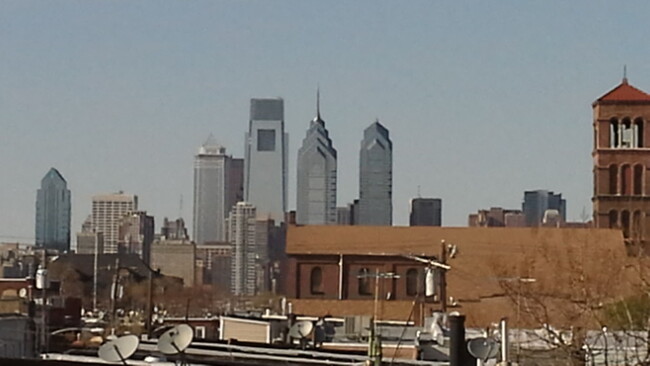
(117, 101)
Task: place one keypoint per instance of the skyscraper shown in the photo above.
(217, 187)
(108, 210)
(536, 203)
(316, 193)
(242, 237)
(265, 176)
(135, 234)
(426, 212)
(375, 177)
(53, 212)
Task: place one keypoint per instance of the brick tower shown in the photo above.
(621, 163)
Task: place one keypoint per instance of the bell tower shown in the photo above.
(621, 162)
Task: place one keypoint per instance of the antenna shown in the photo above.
(301, 331)
(625, 74)
(176, 340)
(180, 207)
(483, 348)
(119, 350)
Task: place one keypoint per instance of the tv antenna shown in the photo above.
(301, 331)
(176, 340)
(119, 349)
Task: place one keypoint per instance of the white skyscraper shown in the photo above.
(242, 237)
(215, 187)
(265, 176)
(108, 210)
(375, 177)
(316, 172)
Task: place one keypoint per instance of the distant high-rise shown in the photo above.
(316, 172)
(217, 187)
(107, 212)
(375, 177)
(53, 212)
(426, 212)
(266, 164)
(135, 234)
(242, 237)
(536, 203)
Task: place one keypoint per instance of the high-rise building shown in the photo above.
(621, 157)
(175, 258)
(107, 212)
(536, 203)
(375, 177)
(242, 237)
(135, 234)
(426, 212)
(174, 230)
(217, 187)
(497, 217)
(266, 164)
(88, 242)
(53, 212)
(316, 172)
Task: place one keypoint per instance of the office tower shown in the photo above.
(343, 215)
(175, 258)
(88, 241)
(426, 212)
(621, 157)
(107, 212)
(53, 212)
(265, 176)
(174, 230)
(537, 202)
(316, 172)
(135, 234)
(242, 237)
(497, 217)
(217, 187)
(375, 177)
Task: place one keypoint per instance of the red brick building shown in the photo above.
(621, 157)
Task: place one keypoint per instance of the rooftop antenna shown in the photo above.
(318, 102)
(624, 74)
(120, 349)
(176, 340)
(180, 207)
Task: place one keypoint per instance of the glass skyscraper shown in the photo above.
(316, 191)
(266, 164)
(375, 177)
(53, 212)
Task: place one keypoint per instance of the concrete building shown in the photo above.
(107, 212)
(173, 230)
(217, 186)
(343, 215)
(266, 162)
(88, 241)
(497, 217)
(135, 234)
(621, 157)
(426, 212)
(536, 203)
(242, 237)
(316, 173)
(214, 261)
(375, 177)
(175, 258)
(53, 212)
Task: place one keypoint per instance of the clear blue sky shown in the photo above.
(483, 99)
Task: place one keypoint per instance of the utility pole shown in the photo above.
(443, 277)
(114, 290)
(95, 260)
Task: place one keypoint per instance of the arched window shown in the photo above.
(412, 282)
(613, 179)
(638, 124)
(364, 281)
(627, 134)
(613, 133)
(626, 180)
(613, 219)
(636, 225)
(625, 223)
(638, 179)
(316, 281)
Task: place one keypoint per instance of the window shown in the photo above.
(412, 282)
(613, 219)
(265, 140)
(638, 124)
(626, 180)
(613, 179)
(638, 180)
(364, 281)
(316, 281)
(626, 134)
(625, 223)
(613, 133)
(199, 332)
(636, 225)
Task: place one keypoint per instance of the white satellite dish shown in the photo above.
(176, 340)
(120, 349)
(301, 329)
(483, 348)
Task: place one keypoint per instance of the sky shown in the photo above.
(483, 99)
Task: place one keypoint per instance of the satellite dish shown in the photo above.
(118, 350)
(22, 292)
(301, 329)
(176, 339)
(483, 348)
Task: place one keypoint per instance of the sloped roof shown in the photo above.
(625, 92)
